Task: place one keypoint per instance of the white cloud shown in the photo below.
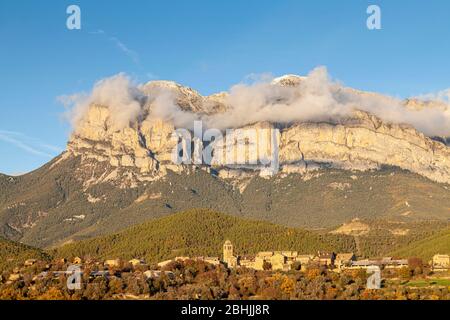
(118, 93)
(441, 96)
(28, 144)
(133, 55)
(316, 98)
(130, 53)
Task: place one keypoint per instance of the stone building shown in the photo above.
(277, 260)
(440, 261)
(344, 260)
(387, 263)
(29, 262)
(164, 263)
(136, 262)
(112, 263)
(212, 260)
(228, 256)
(325, 259)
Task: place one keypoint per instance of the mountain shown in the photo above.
(118, 170)
(354, 140)
(54, 204)
(428, 247)
(202, 233)
(13, 253)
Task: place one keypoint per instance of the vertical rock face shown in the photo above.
(251, 146)
(359, 142)
(141, 145)
(364, 146)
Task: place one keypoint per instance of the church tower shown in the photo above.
(228, 252)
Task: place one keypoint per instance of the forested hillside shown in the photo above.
(13, 253)
(202, 233)
(426, 248)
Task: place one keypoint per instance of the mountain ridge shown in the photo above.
(358, 140)
(118, 171)
(63, 200)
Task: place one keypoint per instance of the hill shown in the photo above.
(382, 236)
(428, 247)
(202, 233)
(13, 253)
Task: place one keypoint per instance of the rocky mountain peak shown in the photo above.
(360, 140)
(288, 80)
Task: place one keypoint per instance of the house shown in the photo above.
(153, 274)
(344, 260)
(100, 273)
(325, 258)
(77, 260)
(247, 261)
(256, 262)
(136, 262)
(29, 262)
(290, 255)
(14, 277)
(232, 262)
(265, 255)
(363, 264)
(440, 262)
(304, 259)
(181, 258)
(212, 260)
(395, 263)
(162, 264)
(386, 262)
(279, 262)
(112, 263)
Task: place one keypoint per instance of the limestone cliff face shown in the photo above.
(364, 145)
(360, 142)
(141, 146)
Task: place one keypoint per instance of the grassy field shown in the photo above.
(428, 283)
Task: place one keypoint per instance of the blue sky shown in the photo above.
(208, 45)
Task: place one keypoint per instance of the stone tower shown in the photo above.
(228, 252)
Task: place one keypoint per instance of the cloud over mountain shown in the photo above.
(314, 98)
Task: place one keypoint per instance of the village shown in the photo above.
(283, 261)
(281, 274)
(292, 260)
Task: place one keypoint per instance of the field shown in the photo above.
(431, 282)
